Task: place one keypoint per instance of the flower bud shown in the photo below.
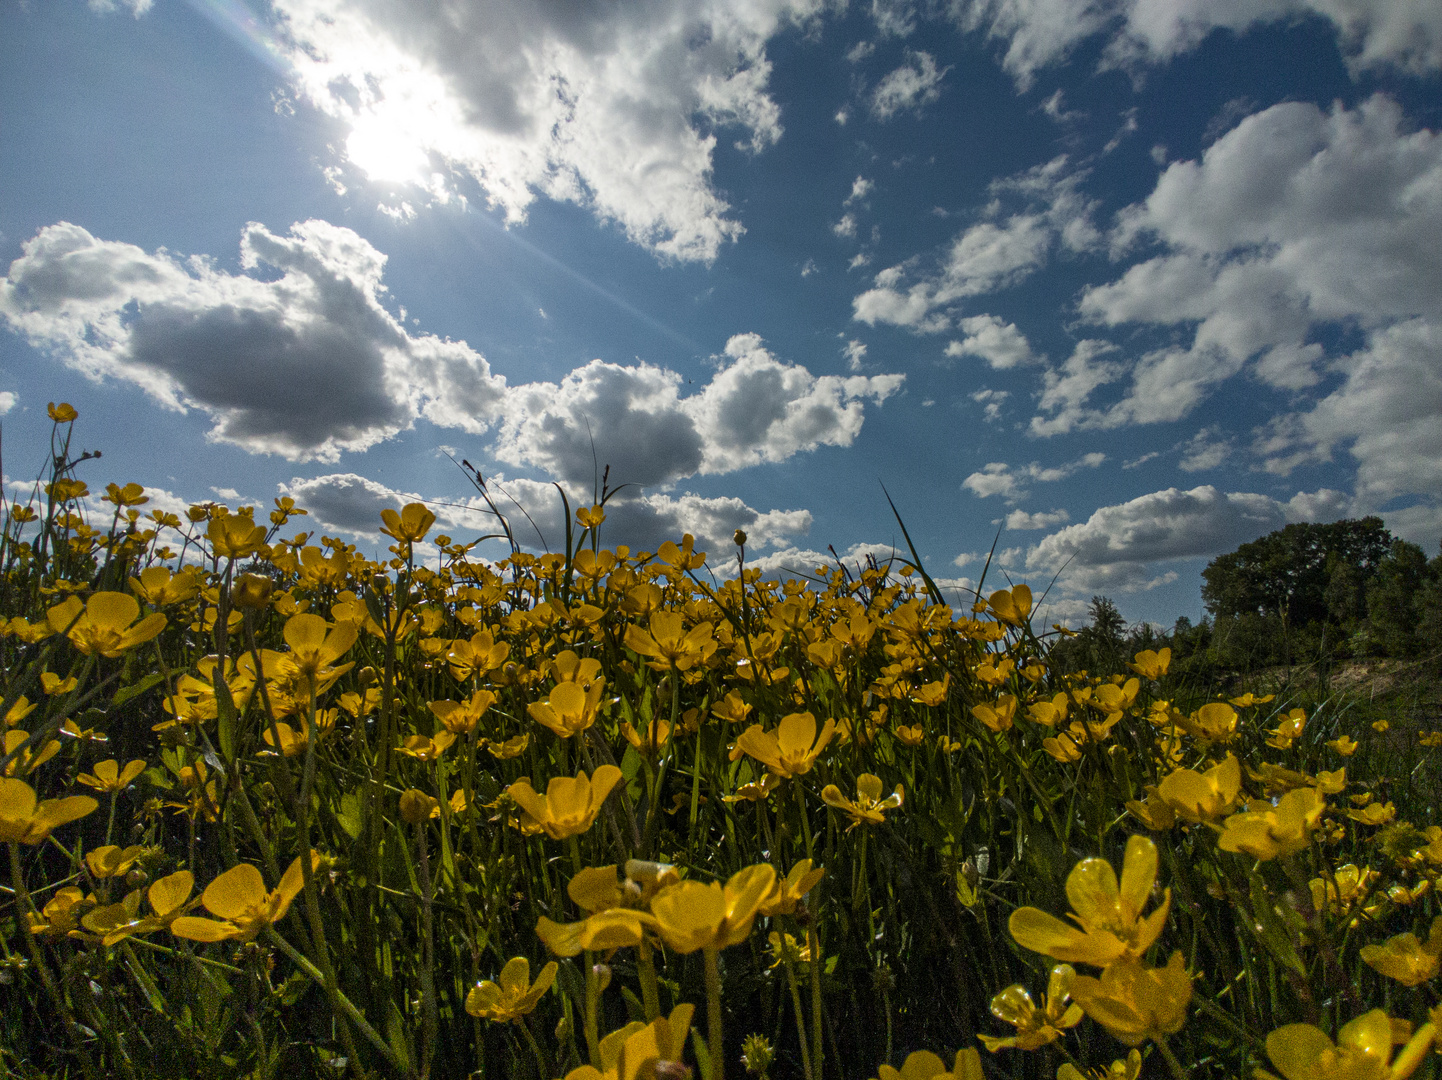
(417, 806)
(251, 592)
(756, 1054)
(739, 538)
(603, 976)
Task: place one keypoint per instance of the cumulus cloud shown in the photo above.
(614, 107)
(846, 227)
(755, 409)
(995, 340)
(353, 504)
(912, 86)
(855, 352)
(1125, 547)
(996, 253)
(1205, 450)
(8, 400)
(306, 364)
(1296, 220)
(311, 363)
(992, 400)
(1020, 520)
(999, 478)
(1042, 33)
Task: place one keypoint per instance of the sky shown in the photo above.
(1107, 286)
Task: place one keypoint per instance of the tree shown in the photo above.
(1394, 598)
(1286, 573)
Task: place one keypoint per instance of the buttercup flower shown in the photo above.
(24, 819)
(1198, 797)
(788, 892)
(924, 1065)
(792, 748)
(1135, 1002)
(410, 525)
(669, 643)
(1108, 915)
(1011, 606)
(1035, 1027)
(691, 916)
(313, 649)
(514, 995)
(570, 804)
(1264, 831)
(869, 808)
(1363, 1050)
(1128, 1068)
(570, 709)
(169, 899)
(244, 907)
(997, 717)
(102, 625)
(1152, 665)
(110, 778)
(1406, 959)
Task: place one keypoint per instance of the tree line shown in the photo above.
(1306, 593)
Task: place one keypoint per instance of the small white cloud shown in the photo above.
(860, 188)
(1055, 108)
(855, 352)
(1205, 450)
(846, 227)
(1136, 462)
(842, 115)
(859, 260)
(8, 398)
(992, 400)
(859, 52)
(999, 478)
(1020, 520)
(993, 339)
(808, 268)
(910, 87)
(1159, 153)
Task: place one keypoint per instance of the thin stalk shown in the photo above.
(713, 1013)
(646, 968)
(800, 1019)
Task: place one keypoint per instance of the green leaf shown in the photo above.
(135, 689)
(350, 814)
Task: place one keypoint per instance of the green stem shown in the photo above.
(593, 993)
(543, 1071)
(800, 1019)
(646, 968)
(814, 944)
(713, 1013)
(805, 821)
(1171, 1059)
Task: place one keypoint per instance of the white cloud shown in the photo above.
(306, 365)
(859, 52)
(1294, 221)
(1065, 392)
(353, 504)
(1042, 33)
(993, 254)
(859, 260)
(860, 188)
(846, 227)
(1205, 450)
(993, 339)
(8, 400)
(910, 87)
(755, 409)
(614, 107)
(1021, 520)
(999, 478)
(137, 7)
(1125, 547)
(993, 400)
(855, 352)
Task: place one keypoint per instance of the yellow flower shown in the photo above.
(1011, 606)
(462, 717)
(1380, 726)
(640, 1051)
(481, 654)
(997, 717)
(570, 709)
(1135, 1002)
(410, 525)
(110, 778)
(1128, 1069)
(1198, 797)
(102, 626)
(1213, 723)
(869, 807)
(63, 413)
(1108, 914)
(244, 907)
(670, 644)
(570, 804)
(234, 536)
(1264, 831)
(26, 762)
(417, 807)
(111, 861)
(1363, 1050)
(1035, 1027)
(1374, 814)
(29, 822)
(169, 899)
(913, 735)
(1064, 747)
(514, 995)
(292, 742)
(1347, 886)
(731, 708)
(513, 747)
(792, 748)
(1406, 959)
(52, 684)
(788, 892)
(691, 916)
(1152, 665)
(590, 517)
(63, 914)
(756, 790)
(313, 650)
(427, 748)
(22, 708)
(924, 1065)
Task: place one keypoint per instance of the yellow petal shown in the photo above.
(234, 893)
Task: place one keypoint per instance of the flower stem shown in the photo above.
(1171, 1059)
(713, 1013)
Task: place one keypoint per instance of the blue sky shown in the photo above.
(1131, 281)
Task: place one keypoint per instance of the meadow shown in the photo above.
(275, 808)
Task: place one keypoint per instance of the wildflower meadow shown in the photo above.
(274, 808)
